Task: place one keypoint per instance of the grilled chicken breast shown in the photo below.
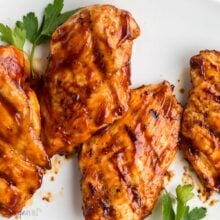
(22, 156)
(201, 120)
(124, 164)
(87, 81)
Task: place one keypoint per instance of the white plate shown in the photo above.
(172, 31)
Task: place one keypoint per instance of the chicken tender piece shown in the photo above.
(201, 120)
(22, 156)
(123, 165)
(87, 82)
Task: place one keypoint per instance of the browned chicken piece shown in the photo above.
(87, 81)
(124, 164)
(201, 119)
(22, 156)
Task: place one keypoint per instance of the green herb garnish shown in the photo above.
(14, 36)
(29, 29)
(183, 212)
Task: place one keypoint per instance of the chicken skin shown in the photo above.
(87, 81)
(123, 165)
(201, 119)
(22, 156)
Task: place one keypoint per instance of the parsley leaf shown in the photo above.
(51, 14)
(167, 209)
(14, 36)
(51, 21)
(30, 25)
(197, 213)
(60, 20)
(184, 194)
(183, 212)
(6, 34)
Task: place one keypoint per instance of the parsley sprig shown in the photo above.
(29, 29)
(183, 212)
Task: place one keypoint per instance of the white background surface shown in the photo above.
(172, 31)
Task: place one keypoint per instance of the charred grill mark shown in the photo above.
(154, 113)
(101, 199)
(119, 110)
(131, 189)
(109, 146)
(66, 62)
(101, 131)
(212, 132)
(6, 177)
(10, 107)
(100, 118)
(130, 133)
(108, 210)
(135, 196)
(155, 160)
(148, 145)
(114, 160)
(92, 189)
(99, 57)
(98, 54)
(188, 146)
(62, 62)
(142, 140)
(204, 125)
